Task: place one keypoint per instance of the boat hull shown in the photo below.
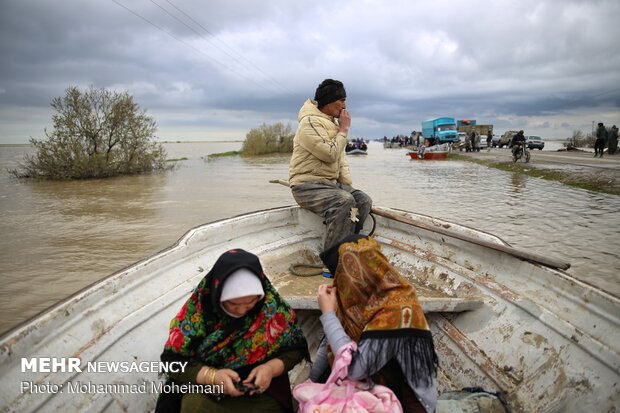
(429, 155)
(545, 339)
(356, 152)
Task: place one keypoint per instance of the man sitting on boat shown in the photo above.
(319, 173)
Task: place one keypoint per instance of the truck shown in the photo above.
(440, 130)
(467, 126)
(506, 139)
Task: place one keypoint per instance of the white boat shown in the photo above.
(502, 319)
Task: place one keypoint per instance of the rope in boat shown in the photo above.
(374, 223)
(311, 269)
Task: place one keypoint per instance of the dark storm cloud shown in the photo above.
(202, 68)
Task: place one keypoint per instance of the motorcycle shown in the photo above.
(521, 151)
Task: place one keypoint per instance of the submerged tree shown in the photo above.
(96, 133)
(275, 138)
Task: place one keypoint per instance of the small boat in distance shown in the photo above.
(356, 147)
(391, 145)
(429, 155)
(357, 152)
(503, 319)
(434, 152)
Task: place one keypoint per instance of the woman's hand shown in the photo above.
(260, 376)
(327, 298)
(228, 378)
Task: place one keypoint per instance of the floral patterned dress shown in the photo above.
(203, 334)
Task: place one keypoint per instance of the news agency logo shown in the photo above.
(51, 365)
(74, 365)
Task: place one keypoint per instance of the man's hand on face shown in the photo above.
(344, 121)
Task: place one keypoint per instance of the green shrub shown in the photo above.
(96, 133)
(275, 138)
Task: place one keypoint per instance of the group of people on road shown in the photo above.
(472, 141)
(605, 138)
(237, 331)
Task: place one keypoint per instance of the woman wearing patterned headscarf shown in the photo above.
(235, 330)
(373, 305)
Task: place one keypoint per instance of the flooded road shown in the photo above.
(58, 237)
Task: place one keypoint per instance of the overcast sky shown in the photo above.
(212, 70)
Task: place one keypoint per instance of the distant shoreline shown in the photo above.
(201, 141)
(29, 144)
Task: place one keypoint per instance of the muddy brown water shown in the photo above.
(58, 237)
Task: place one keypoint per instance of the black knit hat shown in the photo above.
(330, 256)
(329, 91)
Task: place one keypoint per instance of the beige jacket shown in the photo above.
(318, 149)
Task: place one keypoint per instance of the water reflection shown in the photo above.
(266, 160)
(123, 198)
(517, 182)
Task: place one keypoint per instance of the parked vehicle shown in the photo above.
(440, 130)
(521, 151)
(483, 141)
(506, 139)
(535, 142)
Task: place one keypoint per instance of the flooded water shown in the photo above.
(59, 237)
